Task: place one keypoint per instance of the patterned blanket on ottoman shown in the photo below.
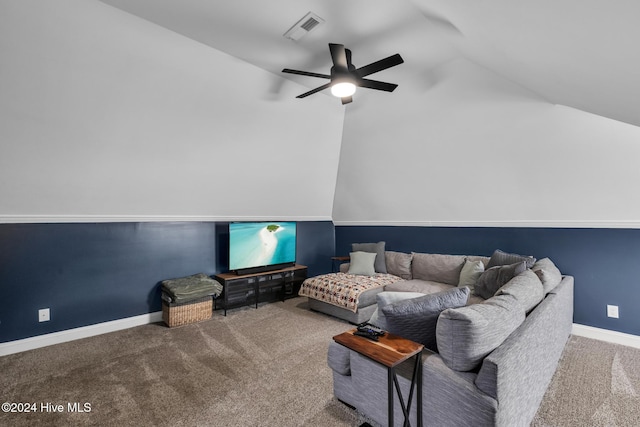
(343, 289)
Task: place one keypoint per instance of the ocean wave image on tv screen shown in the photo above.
(260, 244)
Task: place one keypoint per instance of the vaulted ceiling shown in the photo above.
(579, 53)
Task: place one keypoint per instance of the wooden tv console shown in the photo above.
(247, 289)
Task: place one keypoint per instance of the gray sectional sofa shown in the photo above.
(492, 344)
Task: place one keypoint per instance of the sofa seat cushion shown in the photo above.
(526, 288)
(437, 267)
(416, 318)
(369, 297)
(350, 291)
(548, 273)
(466, 335)
(422, 286)
(385, 298)
(474, 299)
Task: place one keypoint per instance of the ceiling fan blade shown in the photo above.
(338, 56)
(374, 84)
(311, 92)
(380, 65)
(306, 73)
(346, 99)
(348, 56)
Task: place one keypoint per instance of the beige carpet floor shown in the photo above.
(260, 367)
(597, 384)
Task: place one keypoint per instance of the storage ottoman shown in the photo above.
(188, 299)
(178, 314)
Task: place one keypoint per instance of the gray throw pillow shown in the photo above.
(362, 263)
(504, 258)
(385, 298)
(399, 264)
(416, 318)
(495, 277)
(377, 248)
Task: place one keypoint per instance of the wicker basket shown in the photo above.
(178, 314)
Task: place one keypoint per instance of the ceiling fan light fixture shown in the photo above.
(343, 89)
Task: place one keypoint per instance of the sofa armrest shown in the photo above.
(338, 358)
(518, 372)
(444, 389)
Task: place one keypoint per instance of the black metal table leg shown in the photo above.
(416, 383)
(391, 374)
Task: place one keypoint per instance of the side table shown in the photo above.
(338, 260)
(390, 351)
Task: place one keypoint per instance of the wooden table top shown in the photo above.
(389, 350)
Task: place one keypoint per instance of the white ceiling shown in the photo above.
(580, 53)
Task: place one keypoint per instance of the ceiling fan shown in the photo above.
(345, 77)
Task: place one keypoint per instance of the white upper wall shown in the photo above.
(106, 116)
(472, 148)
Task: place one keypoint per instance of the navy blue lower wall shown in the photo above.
(603, 261)
(92, 273)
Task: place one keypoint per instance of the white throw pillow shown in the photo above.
(362, 263)
(470, 273)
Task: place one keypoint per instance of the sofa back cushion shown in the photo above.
(437, 268)
(548, 273)
(484, 259)
(526, 288)
(398, 264)
(416, 318)
(466, 335)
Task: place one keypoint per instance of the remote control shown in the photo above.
(372, 337)
(372, 329)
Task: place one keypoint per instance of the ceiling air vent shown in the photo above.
(303, 26)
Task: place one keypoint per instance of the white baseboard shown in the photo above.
(78, 333)
(606, 335)
(144, 319)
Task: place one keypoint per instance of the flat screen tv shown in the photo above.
(261, 246)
